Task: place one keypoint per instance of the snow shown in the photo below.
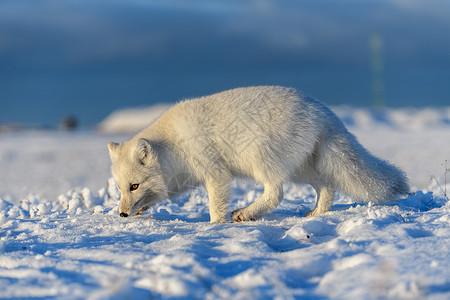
(61, 236)
(131, 119)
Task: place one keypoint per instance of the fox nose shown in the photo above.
(123, 215)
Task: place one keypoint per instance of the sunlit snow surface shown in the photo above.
(61, 236)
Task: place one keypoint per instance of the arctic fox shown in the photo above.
(270, 133)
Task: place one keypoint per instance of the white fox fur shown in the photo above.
(270, 133)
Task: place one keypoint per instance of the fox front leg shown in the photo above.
(218, 194)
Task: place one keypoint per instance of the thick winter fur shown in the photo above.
(269, 133)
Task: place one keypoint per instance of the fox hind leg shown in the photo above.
(325, 191)
(325, 196)
(273, 194)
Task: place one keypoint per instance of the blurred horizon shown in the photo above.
(90, 58)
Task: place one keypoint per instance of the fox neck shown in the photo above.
(176, 174)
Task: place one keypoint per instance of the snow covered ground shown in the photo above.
(61, 236)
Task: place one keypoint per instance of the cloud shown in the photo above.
(322, 32)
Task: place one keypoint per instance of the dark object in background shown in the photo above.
(69, 123)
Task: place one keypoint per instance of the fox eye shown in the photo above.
(134, 187)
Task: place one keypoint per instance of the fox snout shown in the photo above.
(123, 213)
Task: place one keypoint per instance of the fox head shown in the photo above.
(137, 172)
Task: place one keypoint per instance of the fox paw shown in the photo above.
(312, 213)
(218, 219)
(239, 215)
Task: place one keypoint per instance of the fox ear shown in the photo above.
(112, 148)
(144, 151)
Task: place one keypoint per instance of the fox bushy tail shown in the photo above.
(358, 173)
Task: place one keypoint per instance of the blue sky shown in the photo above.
(89, 58)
